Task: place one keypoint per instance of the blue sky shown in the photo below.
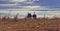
(18, 3)
(23, 6)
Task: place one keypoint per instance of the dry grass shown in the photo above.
(30, 24)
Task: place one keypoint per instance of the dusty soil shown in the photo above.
(43, 24)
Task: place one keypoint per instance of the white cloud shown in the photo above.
(18, 0)
(35, 8)
(25, 2)
(8, 5)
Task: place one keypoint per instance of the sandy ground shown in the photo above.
(30, 24)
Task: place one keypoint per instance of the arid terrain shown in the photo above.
(40, 24)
